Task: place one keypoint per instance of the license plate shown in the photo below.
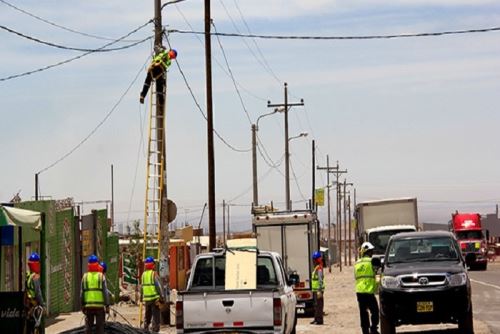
(301, 305)
(425, 307)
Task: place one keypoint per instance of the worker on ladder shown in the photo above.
(151, 294)
(156, 70)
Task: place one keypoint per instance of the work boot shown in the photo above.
(141, 99)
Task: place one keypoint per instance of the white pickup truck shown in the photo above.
(264, 303)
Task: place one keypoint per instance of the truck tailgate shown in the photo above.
(227, 310)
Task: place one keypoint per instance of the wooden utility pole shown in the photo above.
(350, 229)
(336, 170)
(210, 129)
(345, 219)
(224, 221)
(285, 107)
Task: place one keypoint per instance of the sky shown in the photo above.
(408, 117)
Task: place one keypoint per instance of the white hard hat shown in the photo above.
(366, 246)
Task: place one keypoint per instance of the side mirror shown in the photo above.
(376, 262)
(293, 279)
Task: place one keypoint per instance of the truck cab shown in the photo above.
(468, 231)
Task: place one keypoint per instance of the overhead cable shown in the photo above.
(171, 3)
(60, 26)
(64, 47)
(218, 63)
(94, 130)
(41, 69)
(224, 141)
(262, 62)
(361, 37)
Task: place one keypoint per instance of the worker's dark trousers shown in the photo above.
(318, 308)
(152, 310)
(367, 301)
(96, 315)
(156, 73)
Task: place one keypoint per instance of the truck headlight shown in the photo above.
(390, 282)
(457, 279)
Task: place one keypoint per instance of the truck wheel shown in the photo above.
(466, 324)
(386, 326)
(483, 266)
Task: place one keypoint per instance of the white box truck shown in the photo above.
(378, 220)
(295, 236)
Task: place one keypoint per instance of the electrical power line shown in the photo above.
(64, 47)
(171, 3)
(217, 61)
(41, 69)
(94, 130)
(262, 62)
(232, 77)
(224, 141)
(296, 181)
(60, 26)
(361, 37)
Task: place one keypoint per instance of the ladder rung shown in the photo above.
(154, 175)
(153, 200)
(155, 163)
(155, 152)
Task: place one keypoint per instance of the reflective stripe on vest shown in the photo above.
(148, 286)
(365, 276)
(30, 286)
(316, 285)
(93, 295)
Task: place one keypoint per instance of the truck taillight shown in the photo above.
(179, 315)
(277, 311)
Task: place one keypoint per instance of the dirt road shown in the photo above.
(340, 305)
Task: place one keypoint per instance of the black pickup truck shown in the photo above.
(424, 281)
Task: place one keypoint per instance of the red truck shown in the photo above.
(467, 230)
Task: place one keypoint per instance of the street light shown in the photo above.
(303, 134)
(255, 128)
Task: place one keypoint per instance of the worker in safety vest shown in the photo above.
(151, 294)
(156, 70)
(318, 288)
(366, 287)
(33, 295)
(94, 296)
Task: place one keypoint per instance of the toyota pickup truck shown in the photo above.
(424, 280)
(254, 296)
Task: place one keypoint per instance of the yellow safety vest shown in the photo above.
(316, 285)
(30, 286)
(162, 59)
(149, 292)
(365, 276)
(93, 295)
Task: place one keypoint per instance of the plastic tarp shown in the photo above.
(20, 217)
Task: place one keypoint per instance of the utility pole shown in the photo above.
(224, 221)
(328, 170)
(210, 129)
(355, 230)
(285, 106)
(228, 221)
(334, 170)
(313, 183)
(254, 166)
(337, 173)
(112, 200)
(345, 219)
(36, 187)
(350, 229)
(161, 170)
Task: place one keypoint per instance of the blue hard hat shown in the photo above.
(149, 259)
(93, 259)
(103, 266)
(316, 255)
(34, 257)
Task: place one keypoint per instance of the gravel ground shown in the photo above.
(340, 307)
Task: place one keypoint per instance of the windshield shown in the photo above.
(463, 235)
(379, 240)
(207, 267)
(422, 249)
